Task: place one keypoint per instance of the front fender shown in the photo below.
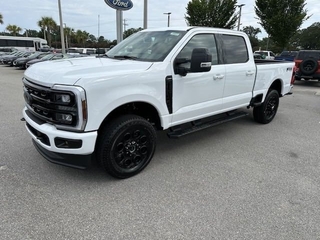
(101, 105)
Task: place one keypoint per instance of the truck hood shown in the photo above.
(69, 71)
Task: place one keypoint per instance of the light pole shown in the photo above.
(26, 32)
(65, 27)
(168, 13)
(145, 14)
(239, 6)
(61, 29)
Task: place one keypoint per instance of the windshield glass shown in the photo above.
(46, 57)
(147, 46)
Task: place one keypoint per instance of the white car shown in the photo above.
(268, 55)
(110, 107)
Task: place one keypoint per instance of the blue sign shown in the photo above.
(120, 4)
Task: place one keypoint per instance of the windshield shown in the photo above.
(46, 57)
(147, 46)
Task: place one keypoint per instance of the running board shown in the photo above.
(197, 126)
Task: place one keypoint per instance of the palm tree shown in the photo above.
(1, 19)
(13, 29)
(68, 33)
(47, 24)
(82, 37)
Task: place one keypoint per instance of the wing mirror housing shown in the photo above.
(200, 62)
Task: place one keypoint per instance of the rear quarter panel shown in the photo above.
(267, 73)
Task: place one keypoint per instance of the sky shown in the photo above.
(95, 16)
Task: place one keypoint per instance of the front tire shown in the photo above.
(126, 146)
(268, 109)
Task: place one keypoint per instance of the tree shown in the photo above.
(212, 13)
(31, 33)
(252, 33)
(308, 38)
(1, 19)
(47, 24)
(82, 37)
(131, 31)
(281, 19)
(13, 29)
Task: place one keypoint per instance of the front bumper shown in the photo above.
(49, 141)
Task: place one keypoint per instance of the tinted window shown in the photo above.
(307, 54)
(200, 41)
(3, 42)
(235, 49)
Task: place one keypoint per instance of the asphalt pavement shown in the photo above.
(239, 180)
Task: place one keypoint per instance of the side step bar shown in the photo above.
(197, 126)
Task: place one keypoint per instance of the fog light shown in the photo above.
(64, 118)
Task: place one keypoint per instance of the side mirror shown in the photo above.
(200, 60)
(178, 69)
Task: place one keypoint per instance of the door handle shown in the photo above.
(218, 77)
(249, 73)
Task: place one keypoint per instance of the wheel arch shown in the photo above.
(139, 108)
(277, 85)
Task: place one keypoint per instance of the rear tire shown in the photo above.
(126, 146)
(268, 109)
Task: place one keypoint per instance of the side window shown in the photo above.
(272, 54)
(235, 49)
(200, 41)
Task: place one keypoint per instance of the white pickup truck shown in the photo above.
(177, 79)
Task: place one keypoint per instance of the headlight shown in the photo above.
(71, 107)
(63, 98)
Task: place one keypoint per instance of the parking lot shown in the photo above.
(239, 180)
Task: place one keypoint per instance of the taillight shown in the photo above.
(293, 75)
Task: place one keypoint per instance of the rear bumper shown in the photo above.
(313, 76)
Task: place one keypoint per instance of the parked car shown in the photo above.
(257, 56)
(287, 56)
(110, 107)
(7, 50)
(77, 51)
(21, 62)
(17, 53)
(307, 65)
(50, 57)
(268, 55)
(10, 58)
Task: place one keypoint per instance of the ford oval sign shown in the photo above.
(120, 4)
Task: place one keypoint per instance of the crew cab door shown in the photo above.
(197, 94)
(240, 71)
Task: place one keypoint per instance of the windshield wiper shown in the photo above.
(125, 57)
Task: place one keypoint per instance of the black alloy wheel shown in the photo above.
(268, 109)
(126, 146)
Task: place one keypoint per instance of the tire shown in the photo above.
(268, 109)
(309, 66)
(126, 146)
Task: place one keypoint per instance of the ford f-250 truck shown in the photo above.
(177, 79)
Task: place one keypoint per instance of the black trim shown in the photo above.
(68, 160)
(256, 101)
(33, 118)
(169, 90)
